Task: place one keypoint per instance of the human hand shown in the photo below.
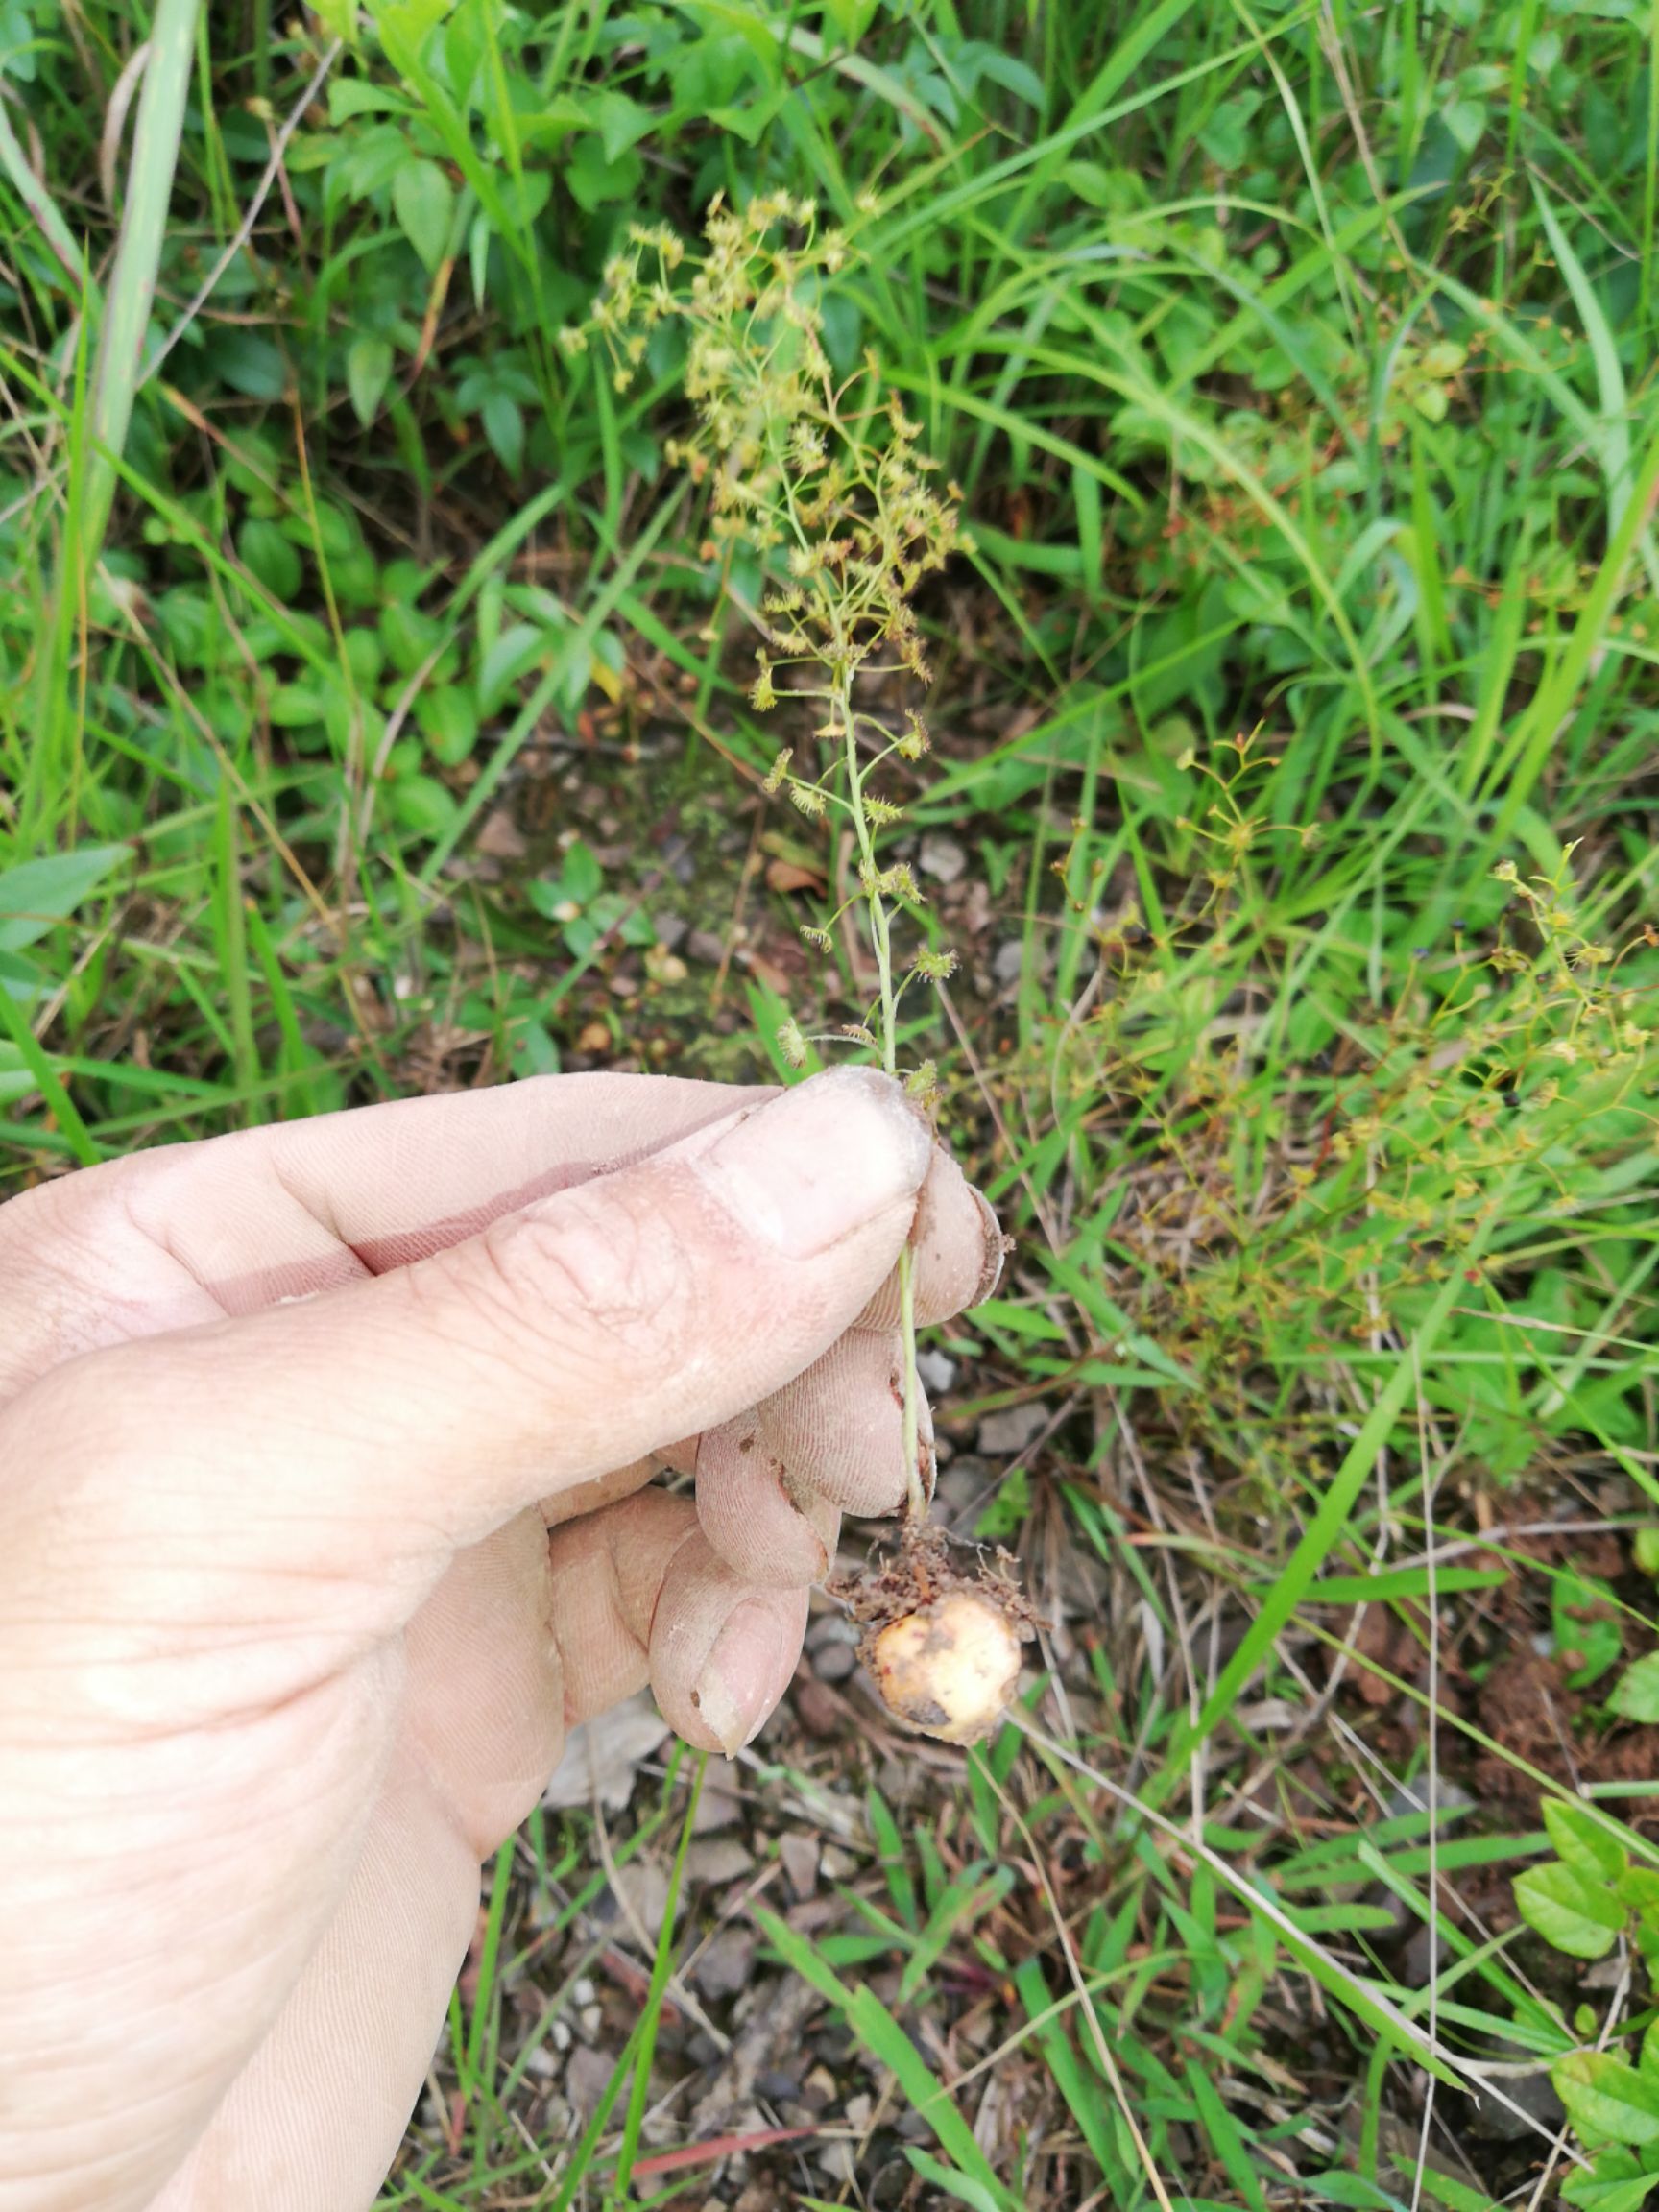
(286, 1647)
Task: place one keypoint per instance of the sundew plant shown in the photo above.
(824, 474)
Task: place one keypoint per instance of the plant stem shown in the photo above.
(880, 938)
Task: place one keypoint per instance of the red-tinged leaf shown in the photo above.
(719, 2147)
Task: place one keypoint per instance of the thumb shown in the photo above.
(360, 1436)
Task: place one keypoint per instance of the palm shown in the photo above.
(298, 1678)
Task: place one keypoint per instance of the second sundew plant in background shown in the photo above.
(822, 477)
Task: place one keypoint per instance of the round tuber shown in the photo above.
(950, 1667)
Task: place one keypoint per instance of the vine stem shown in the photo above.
(881, 941)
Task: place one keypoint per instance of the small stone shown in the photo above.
(704, 948)
(586, 2077)
(602, 1756)
(819, 2089)
(817, 1708)
(834, 1663)
(941, 857)
(716, 1809)
(719, 1859)
(1008, 961)
(936, 1370)
(643, 1888)
(671, 930)
(583, 1991)
(1012, 1429)
(839, 2160)
(726, 1963)
(541, 2062)
(500, 836)
(799, 1856)
(560, 2035)
(964, 1490)
(1442, 1795)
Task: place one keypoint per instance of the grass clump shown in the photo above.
(1290, 827)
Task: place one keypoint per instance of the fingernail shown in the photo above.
(807, 1169)
(731, 1694)
(996, 1249)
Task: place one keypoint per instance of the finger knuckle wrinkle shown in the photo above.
(615, 1270)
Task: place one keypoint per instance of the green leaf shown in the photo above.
(1336, 2186)
(1606, 2099)
(1636, 1694)
(1583, 1840)
(368, 372)
(593, 178)
(973, 2193)
(338, 19)
(622, 122)
(581, 877)
(249, 364)
(38, 893)
(353, 96)
(421, 806)
(268, 554)
(1572, 1911)
(15, 1080)
(448, 720)
(1442, 2188)
(1007, 1509)
(504, 427)
(1615, 2183)
(423, 202)
(852, 19)
(1013, 75)
(1466, 120)
(1584, 1617)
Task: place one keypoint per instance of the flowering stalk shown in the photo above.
(822, 476)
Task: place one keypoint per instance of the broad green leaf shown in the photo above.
(1615, 2183)
(622, 122)
(1572, 1911)
(37, 893)
(1636, 1692)
(268, 554)
(1442, 2188)
(423, 202)
(504, 427)
(353, 96)
(851, 18)
(338, 19)
(1466, 120)
(1583, 1840)
(1606, 2099)
(448, 721)
(368, 372)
